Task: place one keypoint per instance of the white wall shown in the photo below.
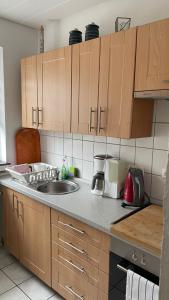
(104, 14)
(17, 41)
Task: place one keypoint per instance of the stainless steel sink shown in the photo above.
(59, 187)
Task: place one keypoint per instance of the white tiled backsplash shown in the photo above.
(148, 153)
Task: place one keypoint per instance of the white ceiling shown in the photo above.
(38, 12)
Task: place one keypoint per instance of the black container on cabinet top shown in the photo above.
(75, 36)
(92, 31)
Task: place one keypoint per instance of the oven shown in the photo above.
(124, 256)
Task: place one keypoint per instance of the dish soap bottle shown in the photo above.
(64, 169)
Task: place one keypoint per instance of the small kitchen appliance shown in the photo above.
(115, 173)
(134, 194)
(99, 168)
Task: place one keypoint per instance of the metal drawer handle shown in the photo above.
(72, 246)
(100, 119)
(165, 81)
(72, 227)
(73, 265)
(69, 288)
(122, 268)
(38, 111)
(33, 120)
(90, 123)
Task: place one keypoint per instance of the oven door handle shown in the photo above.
(122, 268)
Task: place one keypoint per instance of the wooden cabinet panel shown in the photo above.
(29, 92)
(56, 89)
(70, 285)
(152, 59)
(117, 64)
(85, 81)
(81, 267)
(10, 221)
(34, 237)
(81, 230)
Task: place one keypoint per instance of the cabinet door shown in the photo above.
(56, 89)
(29, 92)
(117, 64)
(85, 80)
(152, 60)
(34, 237)
(10, 222)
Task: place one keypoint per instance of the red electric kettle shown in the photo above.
(134, 194)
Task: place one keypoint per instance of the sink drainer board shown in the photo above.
(31, 173)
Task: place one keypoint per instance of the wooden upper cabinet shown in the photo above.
(55, 83)
(29, 91)
(117, 63)
(85, 82)
(152, 60)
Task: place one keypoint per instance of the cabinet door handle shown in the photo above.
(38, 113)
(69, 288)
(71, 227)
(20, 204)
(73, 265)
(72, 246)
(13, 200)
(33, 120)
(165, 81)
(91, 119)
(100, 119)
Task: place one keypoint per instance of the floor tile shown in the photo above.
(5, 258)
(56, 297)
(17, 273)
(36, 289)
(14, 294)
(6, 283)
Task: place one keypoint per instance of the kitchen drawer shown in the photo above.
(69, 285)
(81, 267)
(82, 248)
(81, 230)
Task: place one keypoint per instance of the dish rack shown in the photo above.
(33, 173)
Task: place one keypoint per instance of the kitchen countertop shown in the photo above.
(144, 228)
(94, 210)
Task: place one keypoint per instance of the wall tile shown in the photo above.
(161, 139)
(157, 189)
(59, 134)
(144, 159)
(77, 149)
(113, 150)
(159, 161)
(128, 142)
(99, 148)
(58, 146)
(68, 147)
(162, 112)
(87, 170)
(77, 136)
(100, 139)
(145, 142)
(68, 135)
(111, 140)
(128, 154)
(88, 150)
(78, 163)
(48, 143)
(88, 138)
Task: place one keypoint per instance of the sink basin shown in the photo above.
(59, 187)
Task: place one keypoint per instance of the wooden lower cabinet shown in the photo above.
(11, 222)
(27, 233)
(80, 263)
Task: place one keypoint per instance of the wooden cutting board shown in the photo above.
(144, 229)
(27, 141)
